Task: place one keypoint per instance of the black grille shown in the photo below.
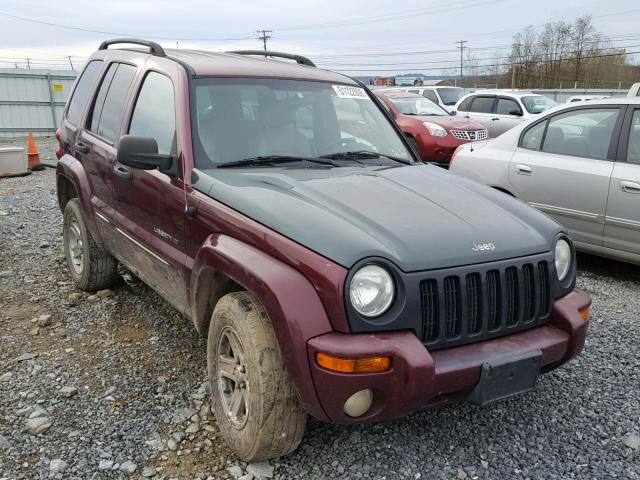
(458, 309)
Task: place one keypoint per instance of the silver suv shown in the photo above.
(500, 110)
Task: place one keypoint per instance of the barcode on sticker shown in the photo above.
(345, 91)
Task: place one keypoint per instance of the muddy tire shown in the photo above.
(252, 397)
(92, 267)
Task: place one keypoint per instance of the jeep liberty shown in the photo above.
(279, 208)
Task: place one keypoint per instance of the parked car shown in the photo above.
(445, 96)
(578, 163)
(634, 91)
(501, 110)
(332, 275)
(431, 130)
(584, 98)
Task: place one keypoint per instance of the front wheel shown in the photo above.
(253, 399)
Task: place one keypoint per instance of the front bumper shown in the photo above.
(419, 379)
(438, 149)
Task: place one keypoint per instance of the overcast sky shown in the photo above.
(348, 35)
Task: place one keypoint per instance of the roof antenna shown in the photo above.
(189, 211)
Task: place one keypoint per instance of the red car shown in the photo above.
(433, 132)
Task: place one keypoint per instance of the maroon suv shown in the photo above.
(333, 273)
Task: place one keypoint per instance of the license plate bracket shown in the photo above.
(505, 377)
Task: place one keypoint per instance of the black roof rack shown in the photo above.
(154, 49)
(298, 58)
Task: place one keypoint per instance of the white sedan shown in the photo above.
(579, 163)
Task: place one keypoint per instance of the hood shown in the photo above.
(418, 216)
(452, 122)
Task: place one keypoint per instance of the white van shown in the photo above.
(446, 97)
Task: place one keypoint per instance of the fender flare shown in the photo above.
(71, 169)
(291, 301)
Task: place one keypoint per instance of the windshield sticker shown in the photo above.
(345, 91)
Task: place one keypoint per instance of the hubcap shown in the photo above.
(233, 382)
(76, 252)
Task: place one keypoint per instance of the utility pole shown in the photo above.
(264, 37)
(461, 47)
(70, 62)
(28, 63)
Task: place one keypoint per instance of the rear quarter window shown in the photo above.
(82, 91)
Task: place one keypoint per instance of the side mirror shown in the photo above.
(142, 153)
(515, 112)
(452, 113)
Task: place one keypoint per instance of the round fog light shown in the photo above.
(358, 403)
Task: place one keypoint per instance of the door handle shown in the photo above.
(81, 147)
(123, 172)
(629, 187)
(523, 170)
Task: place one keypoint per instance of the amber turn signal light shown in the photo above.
(353, 365)
(585, 312)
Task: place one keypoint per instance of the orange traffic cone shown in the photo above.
(32, 154)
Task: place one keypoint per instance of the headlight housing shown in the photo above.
(371, 290)
(563, 257)
(435, 130)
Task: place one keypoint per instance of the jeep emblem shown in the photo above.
(483, 247)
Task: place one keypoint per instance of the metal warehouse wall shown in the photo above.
(32, 100)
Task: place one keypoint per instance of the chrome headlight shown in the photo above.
(435, 129)
(371, 291)
(563, 259)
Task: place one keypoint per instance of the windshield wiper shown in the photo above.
(271, 159)
(363, 155)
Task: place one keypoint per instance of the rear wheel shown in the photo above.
(91, 266)
(253, 399)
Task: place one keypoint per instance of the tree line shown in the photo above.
(558, 55)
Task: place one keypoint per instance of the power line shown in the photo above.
(504, 64)
(117, 34)
(392, 16)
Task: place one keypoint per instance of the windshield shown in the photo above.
(537, 103)
(450, 96)
(236, 119)
(417, 106)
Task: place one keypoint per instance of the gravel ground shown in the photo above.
(115, 384)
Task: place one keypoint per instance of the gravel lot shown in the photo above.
(115, 383)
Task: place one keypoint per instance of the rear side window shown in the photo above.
(482, 105)
(507, 106)
(581, 133)
(82, 91)
(155, 114)
(431, 95)
(107, 109)
(633, 150)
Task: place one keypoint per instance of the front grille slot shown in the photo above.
(543, 280)
(429, 293)
(511, 287)
(474, 303)
(493, 299)
(459, 308)
(452, 306)
(529, 293)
